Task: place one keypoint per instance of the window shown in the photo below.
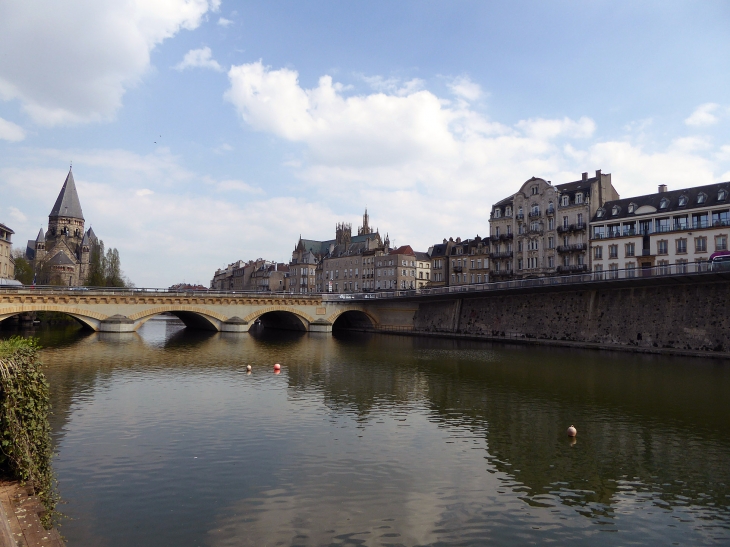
(566, 240)
(519, 263)
(535, 190)
(496, 231)
(682, 201)
(565, 222)
(581, 259)
(615, 210)
(551, 224)
(721, 194)
(664, 203)
(662, 247)
(613, 251)
(551, 242)
(598, 252)
(700, 244)
(701, 197)
(613, 271)
(630, 249)
(519, 212)
(580, 219)
(720, 218)
(599, 232)
(565, 201)
(681, 223)
(632, 207)
(534, 226)
(682, 266)
(551, 208)
(508, 211)
(699, 220)
(662, 225)
(509, 229)
(519, 246)
(566, 260)
(497, 213)
(579, 198)
(721, 243)
(600, 213)
(681, 246)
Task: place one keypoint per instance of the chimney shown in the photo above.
(662, 188)
(585, 176)
(598, 173)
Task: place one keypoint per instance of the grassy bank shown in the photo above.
(25, 433)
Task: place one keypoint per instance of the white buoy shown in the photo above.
(248, 368)
(572, 431)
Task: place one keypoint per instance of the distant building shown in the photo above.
(675, 227)
(61, 255)
(7, 264)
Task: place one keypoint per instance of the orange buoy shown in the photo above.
(572, 431)
(277, 366)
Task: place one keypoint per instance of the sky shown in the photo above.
(202, 132)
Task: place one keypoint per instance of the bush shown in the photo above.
(25, 433)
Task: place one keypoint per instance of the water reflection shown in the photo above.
(383, 440)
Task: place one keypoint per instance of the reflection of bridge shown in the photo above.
(109, 310)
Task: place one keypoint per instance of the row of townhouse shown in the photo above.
(254, 275)
(541, 230)
(7, 264)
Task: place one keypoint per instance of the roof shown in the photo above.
(40, 238)
(3, 227)
(67, 203)
(653, 201)
(60, 259)
(422, 256)
(439, 250)
(403, 250)
(576, 185)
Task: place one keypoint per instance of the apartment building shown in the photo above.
(662, 229)
(543, 229)
(396, 270)
(7, 264)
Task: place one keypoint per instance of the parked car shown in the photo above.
(720, 261)
(346, 296)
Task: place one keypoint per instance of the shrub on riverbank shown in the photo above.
(25, 433)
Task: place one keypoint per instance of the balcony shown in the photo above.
(572, 248)
(520, 216)
(504, 237)
(505, 254)
(573, 268)
(457, 269)
(550, 212)
(563, 229)
(534, 214)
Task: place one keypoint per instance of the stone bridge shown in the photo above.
(106, 310)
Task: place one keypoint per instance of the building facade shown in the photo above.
(664, 229)
(543, 229)
(7, 264)
(61, 255)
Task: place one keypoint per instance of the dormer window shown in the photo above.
(508, 211)
(682, 201)
(632, 207)
(701, 197)
(579, 197)
(722, 194)
(600, 213)
(566, 201)
(615, 210)
(497, 213)
(664, 203)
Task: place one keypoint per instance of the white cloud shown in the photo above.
(703, 115)
(548, 129)
(224, 22)
(144, 192)
(73, 61)
(465, 89)
(394, 86)
(10, 131)
(17, 215)
(199, 58)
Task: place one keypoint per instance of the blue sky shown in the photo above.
(206, 131)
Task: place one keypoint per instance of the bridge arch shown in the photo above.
(192, 316)
(281, 317)
(88, 319)
(352, 319)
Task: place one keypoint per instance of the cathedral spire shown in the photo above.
(68, 204)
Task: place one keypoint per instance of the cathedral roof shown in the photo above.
(41, 238)
(61, 260)
(67, 203)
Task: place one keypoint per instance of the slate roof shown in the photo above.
(422, 256)
(40, 238)
(654, 200)
(439, 250)
(68, 204)
(3, 227)
(60, 259)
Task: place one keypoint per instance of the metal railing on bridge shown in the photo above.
(668, 271)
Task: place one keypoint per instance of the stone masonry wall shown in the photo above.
(691, 317)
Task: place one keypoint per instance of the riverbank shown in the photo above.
(513, 338)
(20, 518)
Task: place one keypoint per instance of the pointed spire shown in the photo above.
(68, 204)
(41, 237)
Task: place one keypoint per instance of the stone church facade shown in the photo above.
(61, 255)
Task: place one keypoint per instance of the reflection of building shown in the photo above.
(7, 265)
(677, 227)
(61, 255)
(543, 229)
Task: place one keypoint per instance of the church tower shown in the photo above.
(66, 219)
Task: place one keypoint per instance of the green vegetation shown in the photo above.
(105, 270)
(23, 269)
(25, 433)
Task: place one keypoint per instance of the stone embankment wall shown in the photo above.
(686, 317)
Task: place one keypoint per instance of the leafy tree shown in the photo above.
(97, 265)
(23, 268)
(113, 270)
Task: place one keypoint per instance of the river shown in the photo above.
(163, 439)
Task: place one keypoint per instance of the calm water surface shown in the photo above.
(164, 440)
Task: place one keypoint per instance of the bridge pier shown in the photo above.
(116, 323)
(320, 326)
(235, 324)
